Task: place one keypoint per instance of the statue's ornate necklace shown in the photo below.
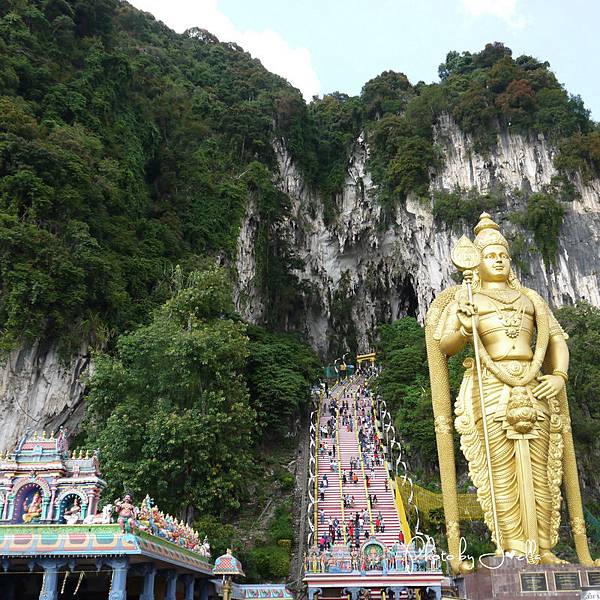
(504, 296)
(511, 318)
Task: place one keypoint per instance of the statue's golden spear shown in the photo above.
(466, 257)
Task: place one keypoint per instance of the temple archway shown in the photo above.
(65, 502)
(28, 495)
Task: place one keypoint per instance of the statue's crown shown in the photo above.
(487, 233)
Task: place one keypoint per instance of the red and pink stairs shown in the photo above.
(384, 564)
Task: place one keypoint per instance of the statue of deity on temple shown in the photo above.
(126, 511)
(73, 514)
(32, 511)
(511, 412)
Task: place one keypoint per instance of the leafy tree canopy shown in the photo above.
(123, 149)
(171, 411)
(180, 409)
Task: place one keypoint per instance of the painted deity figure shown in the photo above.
(144, 517)
(73, 514)
(126, 512)
(520, 444)
(32, 511)
(205, 548)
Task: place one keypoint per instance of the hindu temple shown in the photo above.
(56, 542)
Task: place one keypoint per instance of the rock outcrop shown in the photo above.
(38, 390)
(396, 270)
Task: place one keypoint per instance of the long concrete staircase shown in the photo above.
(369, 561)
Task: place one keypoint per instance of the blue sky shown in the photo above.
(323, 46)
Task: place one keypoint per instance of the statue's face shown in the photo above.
(495, 263)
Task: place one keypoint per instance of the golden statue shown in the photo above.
(522, 451)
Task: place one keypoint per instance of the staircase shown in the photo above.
(347, 446)
(343, 566)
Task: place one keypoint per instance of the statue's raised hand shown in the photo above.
(465, 313)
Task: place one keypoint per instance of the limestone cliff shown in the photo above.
(385, 272)
(40, 391)
(395, 271)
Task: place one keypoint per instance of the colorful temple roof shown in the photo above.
(227, 564)
(49, 502)
(93, 541)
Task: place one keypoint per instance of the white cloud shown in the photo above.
(506, 10)
(295, 64)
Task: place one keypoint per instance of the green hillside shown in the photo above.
(126, 148)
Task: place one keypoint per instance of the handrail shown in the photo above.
(317, 428)
(405, 477)
(311, 471)
(400, 510)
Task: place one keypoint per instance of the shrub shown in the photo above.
(460, 206)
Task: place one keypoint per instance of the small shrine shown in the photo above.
(41, 482)
(227, 566)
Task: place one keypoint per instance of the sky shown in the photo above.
(322, 46)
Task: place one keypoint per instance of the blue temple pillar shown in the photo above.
(313, 591)
(149, 572)
(189, 587)
(171, 584)
(51, 567)
(204, 589)
(353, 591)
(396, 591)
(118, 585)
(8, 582)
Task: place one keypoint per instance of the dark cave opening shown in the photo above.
(408, 303)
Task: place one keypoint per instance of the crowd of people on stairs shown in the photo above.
(350, 413)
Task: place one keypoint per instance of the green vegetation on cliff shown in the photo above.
(483, 93)
(124, 148)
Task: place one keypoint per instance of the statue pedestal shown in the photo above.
(512, 579)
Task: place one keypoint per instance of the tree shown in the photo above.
(387, 93)
(280, 371)
(170, 412)
(404, 385)
(544, 217)
(517, 103)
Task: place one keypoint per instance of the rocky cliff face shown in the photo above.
(385, 272)
(395, 271)
(39, 391)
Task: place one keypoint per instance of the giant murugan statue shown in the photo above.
(511, 412)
